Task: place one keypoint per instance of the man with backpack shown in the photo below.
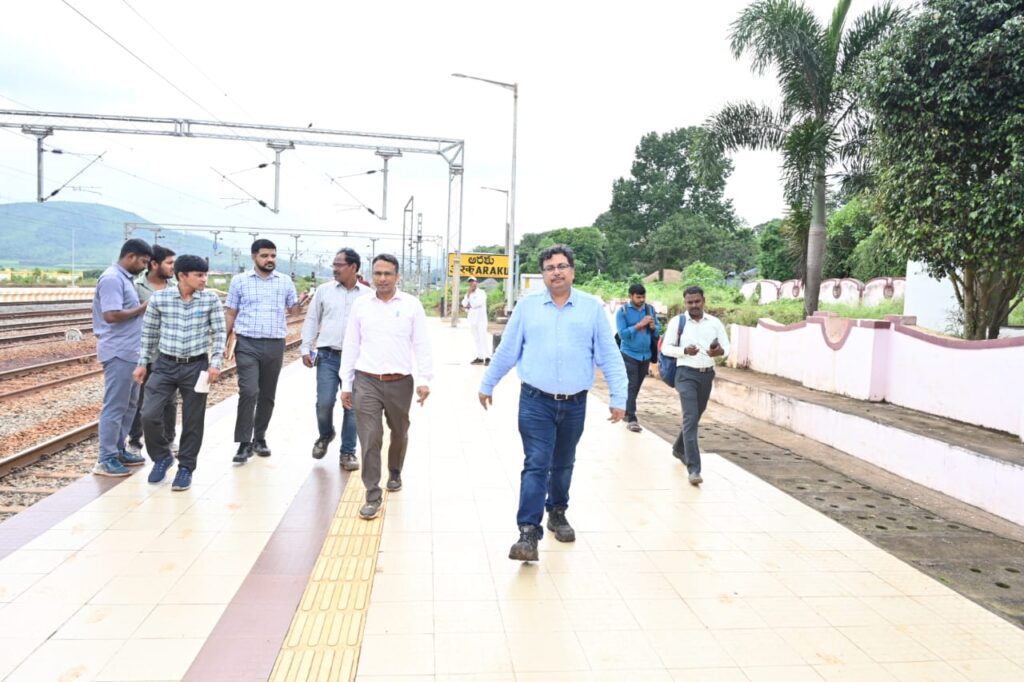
(638, 332)
(695, 347)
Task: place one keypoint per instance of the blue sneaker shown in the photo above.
(182, 479)
(160, 467)
(110, 467)
(130, 459)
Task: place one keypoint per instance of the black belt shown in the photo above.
(183, 361)
(328, 349)
(698, 369)
(557, 396)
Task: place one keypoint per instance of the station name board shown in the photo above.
(480, 265)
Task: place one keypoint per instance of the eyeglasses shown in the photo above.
(340, 265)
(561, 267)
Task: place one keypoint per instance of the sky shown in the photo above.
(593, 79)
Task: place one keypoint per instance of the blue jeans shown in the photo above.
(550, 430)
(120, 396)
(328, 362)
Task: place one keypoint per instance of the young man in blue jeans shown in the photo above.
(324, 331)
(555, 339)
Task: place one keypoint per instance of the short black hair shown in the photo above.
(189, 263)
(563, 249)
(693, 290)
(637, 288)
(137, 247)
(262, 244)
(160, 254)
(387, 258)
(351, 256)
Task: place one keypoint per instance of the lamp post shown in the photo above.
(508, 240)
(511, 231)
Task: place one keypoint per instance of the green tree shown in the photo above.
(875, 256)
(949, 150)
(847, 228)
(775, 257)
(687, 237)
(664, 180)
(819, 122)
(589, 245)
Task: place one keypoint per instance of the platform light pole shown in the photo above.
(508, 240)
(510, 237)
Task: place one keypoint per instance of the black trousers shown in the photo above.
(258, 363)
(170, 414)
(636, 370)
(167, 378)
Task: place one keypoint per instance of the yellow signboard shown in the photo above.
(480, 265)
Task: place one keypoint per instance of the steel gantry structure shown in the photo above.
(42, 124)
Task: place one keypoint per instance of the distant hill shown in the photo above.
(34, 235)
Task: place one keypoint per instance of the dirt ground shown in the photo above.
(979, 555)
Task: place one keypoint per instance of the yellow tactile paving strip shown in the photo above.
(327, 631)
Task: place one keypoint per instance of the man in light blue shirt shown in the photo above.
(255, 311)
(554, 339)
(117, 324)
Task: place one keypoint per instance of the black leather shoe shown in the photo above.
(394, 482)
(477, 361)
(526, 548)
(260, 448)
(243, 454)
(559, 525)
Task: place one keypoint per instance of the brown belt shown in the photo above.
(382, 377)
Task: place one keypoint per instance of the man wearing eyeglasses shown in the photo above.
(385, 333)
(555, 340)
(323, 336)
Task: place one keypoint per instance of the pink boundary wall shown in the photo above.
(977, 382)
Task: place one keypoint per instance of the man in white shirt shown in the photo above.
(475, 302)
(324, 332)
(384, 333)
(703, 339)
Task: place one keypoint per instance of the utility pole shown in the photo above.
(295, 254)
(419, 254)
(373, 247)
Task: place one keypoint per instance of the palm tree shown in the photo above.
(819, 121)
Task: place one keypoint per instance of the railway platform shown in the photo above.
(264, 571)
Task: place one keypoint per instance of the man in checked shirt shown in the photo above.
(177, 331)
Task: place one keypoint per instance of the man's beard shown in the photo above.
(269, 267)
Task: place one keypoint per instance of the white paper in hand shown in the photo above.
(203, 382)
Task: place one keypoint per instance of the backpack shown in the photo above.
(654, 339)
(667, 364)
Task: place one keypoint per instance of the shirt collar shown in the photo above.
(253, 273)
(124, 272)
(548, 299)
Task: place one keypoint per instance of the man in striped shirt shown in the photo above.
(177, 331)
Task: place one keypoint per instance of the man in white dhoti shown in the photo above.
(475, 302)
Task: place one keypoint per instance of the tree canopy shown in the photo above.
(946, 96)
(669, 213)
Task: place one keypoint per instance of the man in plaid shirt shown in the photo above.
(176, 333)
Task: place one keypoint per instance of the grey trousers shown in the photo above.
(694, 389)
(259, 365)
(371, 398)
(120, 395)
(166, 379)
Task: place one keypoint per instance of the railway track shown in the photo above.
(42, 313)
(32, 454)
(46, 324)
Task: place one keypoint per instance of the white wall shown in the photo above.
(931, 301)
